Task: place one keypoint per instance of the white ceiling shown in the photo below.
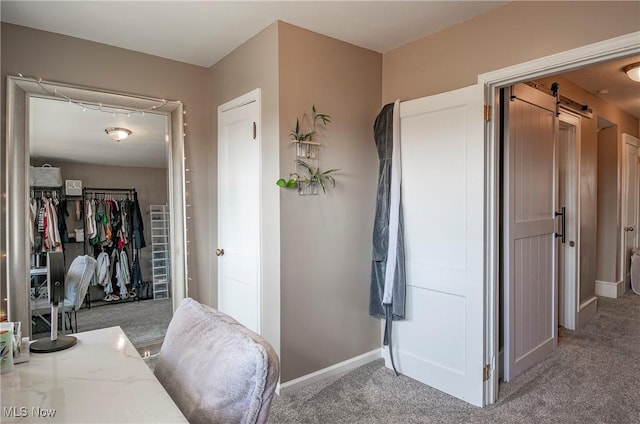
(608, 81)
(203, 32)
(63, 131)
(200, 33)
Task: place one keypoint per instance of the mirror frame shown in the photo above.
(19, 92)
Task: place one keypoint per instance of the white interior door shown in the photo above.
(569, 258)
(239, 288)
(441, 342)
(530, 247)
(629, 201)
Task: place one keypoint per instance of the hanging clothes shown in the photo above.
(388, 283)
(122, 274)
(34, 236)
(136, 274)
(138, 226)
(388, 279)
(44, 233)
(104, 277)
(90, 220)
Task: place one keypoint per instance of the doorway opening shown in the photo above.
(606, 51)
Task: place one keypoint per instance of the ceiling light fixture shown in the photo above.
(117, 133)
(633, 71)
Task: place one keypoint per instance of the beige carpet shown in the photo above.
(143, 322)
(593, 377)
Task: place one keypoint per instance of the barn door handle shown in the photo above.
(562, 235)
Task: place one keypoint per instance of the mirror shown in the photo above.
(21, 92)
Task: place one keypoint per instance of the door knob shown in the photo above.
(219, 252)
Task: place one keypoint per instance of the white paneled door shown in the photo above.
(630, 199)
(530, 247)
(238, 248)
(441, 342)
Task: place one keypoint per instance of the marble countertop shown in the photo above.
(102, 379)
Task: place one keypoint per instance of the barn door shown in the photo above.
(441, 342)
(531, 217)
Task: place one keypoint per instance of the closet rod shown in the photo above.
(100, 190)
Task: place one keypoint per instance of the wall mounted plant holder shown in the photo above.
(299, 134)
(307, 176)
(316, 177)
(308, 188)
(307, 149)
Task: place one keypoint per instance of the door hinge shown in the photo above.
(486, 372)
(487, 113)
(255, 131)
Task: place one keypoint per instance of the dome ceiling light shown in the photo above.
(117, 133)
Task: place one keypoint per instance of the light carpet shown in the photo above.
(593, 377)
(144, 323)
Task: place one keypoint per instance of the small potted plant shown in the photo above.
(309, 184)
(291, 182)
(305, 145)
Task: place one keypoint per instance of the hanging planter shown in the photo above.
(317, 178)
(308, 149)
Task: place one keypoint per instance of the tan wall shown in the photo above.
(326, 239)
(70, 60)
(516, 33)
(512, 34)
(253, 65)
(608, 235)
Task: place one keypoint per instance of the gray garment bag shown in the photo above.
(383, 134)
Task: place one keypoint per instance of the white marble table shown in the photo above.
(102, 379)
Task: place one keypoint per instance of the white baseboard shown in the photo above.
(613, 289)
(587, 311)
(338, 368)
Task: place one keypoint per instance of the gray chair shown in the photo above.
(215, 369)
(81, 272)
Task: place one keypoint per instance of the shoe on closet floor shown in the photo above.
(110, 297)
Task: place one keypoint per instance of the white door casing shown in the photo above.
(630, 198)
(530, 247)
(569, 254)
(493, 81)
(239, 283)
(441, 342)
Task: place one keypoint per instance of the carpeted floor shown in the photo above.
(593, 377)
(145, 322)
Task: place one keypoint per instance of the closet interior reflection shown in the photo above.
(108, 222)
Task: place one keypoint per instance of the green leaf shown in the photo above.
(305, 166)
(281, 182)
(291, 183)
